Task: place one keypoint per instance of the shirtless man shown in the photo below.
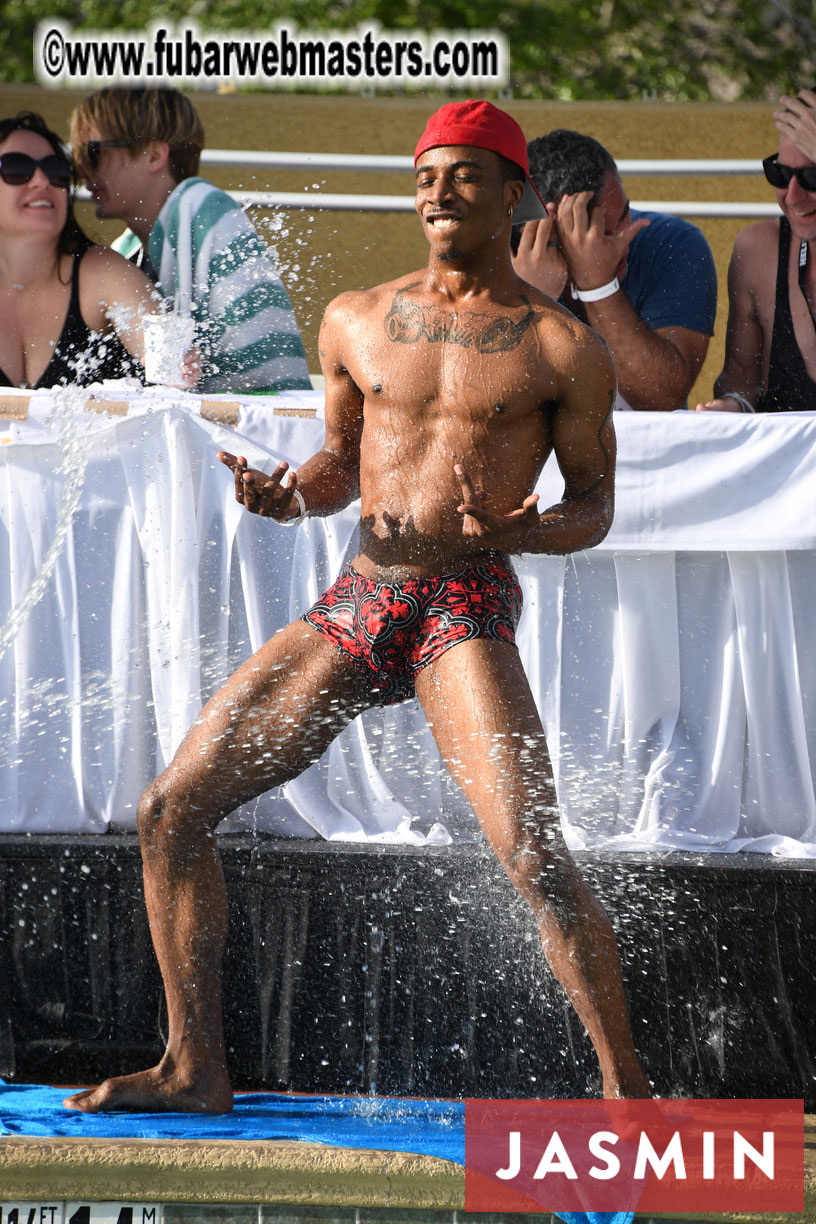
(445, 393)
(770, 343)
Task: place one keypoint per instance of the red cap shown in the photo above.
(483, 126)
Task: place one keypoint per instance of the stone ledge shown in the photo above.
(276, 1172)
(225, 1171)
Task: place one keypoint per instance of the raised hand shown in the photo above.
(593, 255)
(796, 119)
(260, 493)
(539, 259)
(508, 532)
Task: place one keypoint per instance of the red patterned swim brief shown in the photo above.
(392, 630)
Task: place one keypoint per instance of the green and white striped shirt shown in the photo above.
(210, 260)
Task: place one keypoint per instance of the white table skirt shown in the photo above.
(674, 666)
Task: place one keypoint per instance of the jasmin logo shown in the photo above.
(671, 1162)
(635, 1155)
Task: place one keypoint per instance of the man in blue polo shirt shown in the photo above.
(645, 281)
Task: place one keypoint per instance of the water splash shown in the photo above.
(74, 442)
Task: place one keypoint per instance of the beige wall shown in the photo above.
(324, 253)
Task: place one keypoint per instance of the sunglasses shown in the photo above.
(19, 168)
(90, 150)
(779, 175)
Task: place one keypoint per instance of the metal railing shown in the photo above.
(318, 200)
(383, 164)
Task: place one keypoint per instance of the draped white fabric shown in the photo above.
(674, 666)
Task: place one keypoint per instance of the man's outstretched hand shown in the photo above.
(508, 532)
(259, 493)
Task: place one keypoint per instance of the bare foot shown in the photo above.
(632, 1115)
(634, 1087)
(156, 1091)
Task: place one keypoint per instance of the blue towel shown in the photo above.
(596, 1217)
(436, 1128)
(431, 1128)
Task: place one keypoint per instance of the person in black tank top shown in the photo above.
(771, 333)
(48, 265)
(789, 386)
(82, 356)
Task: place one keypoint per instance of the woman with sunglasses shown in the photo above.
(770, 344)
(67, 307)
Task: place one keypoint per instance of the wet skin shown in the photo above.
(445, 393)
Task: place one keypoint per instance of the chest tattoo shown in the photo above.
(408, 323)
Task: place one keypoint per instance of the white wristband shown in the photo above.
(596, 295)
(301, 514)
(745, 404)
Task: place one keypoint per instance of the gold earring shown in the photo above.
(509, 210)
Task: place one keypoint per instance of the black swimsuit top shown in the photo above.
(82, 356)
(790, 387)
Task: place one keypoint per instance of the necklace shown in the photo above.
(803, 262)
(19, 286)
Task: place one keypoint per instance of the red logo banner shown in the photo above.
(673, 1156)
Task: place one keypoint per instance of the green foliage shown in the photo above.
(592, 49)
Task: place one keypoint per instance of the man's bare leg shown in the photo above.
(271, 719)
(480, 708)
